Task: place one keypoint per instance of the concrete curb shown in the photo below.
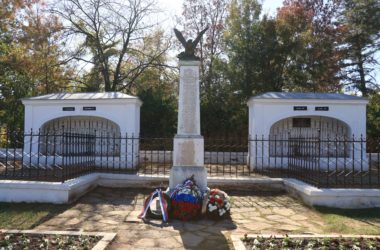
(106, 239)
(71, 190)
(333, 197)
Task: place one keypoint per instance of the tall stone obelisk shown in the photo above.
(188, 151)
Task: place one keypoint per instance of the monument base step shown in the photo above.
(179, 174)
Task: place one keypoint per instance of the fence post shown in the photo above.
(64, 160)
(6, 151)
(369, 165)
(288, 156)
(353, 159)
(249, 155)
(361, 160)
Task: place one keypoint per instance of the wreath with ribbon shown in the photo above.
(186, 201)
(164, 201)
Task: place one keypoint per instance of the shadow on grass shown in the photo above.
(355, 221)
(27, 215)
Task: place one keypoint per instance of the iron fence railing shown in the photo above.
(341, 162)
(352, 162)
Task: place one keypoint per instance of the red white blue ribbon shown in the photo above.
(163, 205)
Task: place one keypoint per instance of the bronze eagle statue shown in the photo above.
(189, 45)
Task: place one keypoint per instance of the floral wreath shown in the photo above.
(218, 205)
(186, 200)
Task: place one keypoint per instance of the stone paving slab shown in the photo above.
(116, 210)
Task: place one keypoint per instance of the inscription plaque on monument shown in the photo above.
(189, 109)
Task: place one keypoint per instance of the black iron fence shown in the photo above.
(341, 162)
(62, 155)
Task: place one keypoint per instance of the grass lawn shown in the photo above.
(351, 221)
(27, 215)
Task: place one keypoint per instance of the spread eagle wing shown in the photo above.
(180, 37)
(196, 41)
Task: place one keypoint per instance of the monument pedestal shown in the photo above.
(188, 148)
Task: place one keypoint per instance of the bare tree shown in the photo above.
(111, 37)
(198, 14)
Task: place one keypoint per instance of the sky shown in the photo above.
(172, 8)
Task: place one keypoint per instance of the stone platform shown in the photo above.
(116, 210)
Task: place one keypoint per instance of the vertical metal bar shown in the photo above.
(54, 152)
(230, 148)
(120, 140)
(236, 155)
(23, 134)
(344, 160)
(262, 152)
(68, 153)
(126, 151)
(83, 148)
(151, 156)
(93, 149)
(164, 149)
(38, 153)
(289, 155)
(6, 151)
(256, 152)
(378, 163)
(275, 150)
(328, 160)
(223, 159)
(268, 143)
(63, 156)
(353, 160)
(336, 158)
(101, 150)
(319, 157)
(361, 161)
(107, 150)
(132, 149)
(369, 165)
(157, 152)
(30, 153)
(46, 152)
(114, 148)
(282, 155)
(217, 156)
(15, 143)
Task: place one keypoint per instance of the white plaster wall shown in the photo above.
(263, 113)
(123, 113)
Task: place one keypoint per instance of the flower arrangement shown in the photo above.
(186, 201)
(218, 205)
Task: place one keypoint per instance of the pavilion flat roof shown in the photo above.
(308, 95)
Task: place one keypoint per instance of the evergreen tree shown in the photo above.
(361, 21)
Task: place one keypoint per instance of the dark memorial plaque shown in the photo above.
(299, 108)
(325, 108)
(301, 123)
(68, 109)
(89, 108)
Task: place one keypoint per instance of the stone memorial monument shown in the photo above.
(188, 151)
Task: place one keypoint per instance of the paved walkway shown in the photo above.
(116, 210)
